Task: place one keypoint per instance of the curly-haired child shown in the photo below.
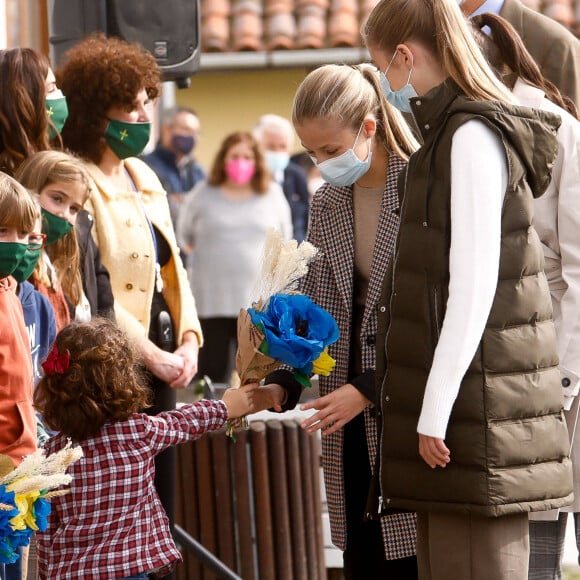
(112, 524)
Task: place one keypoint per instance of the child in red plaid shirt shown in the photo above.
(112, 525)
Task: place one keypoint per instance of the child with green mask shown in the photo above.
(38, 312)
(62, 185)
(17, 418)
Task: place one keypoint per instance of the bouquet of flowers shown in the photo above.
(283, 327)
(25, 493)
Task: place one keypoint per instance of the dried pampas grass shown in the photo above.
(283, 264)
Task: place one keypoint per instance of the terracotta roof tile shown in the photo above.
(268, 25)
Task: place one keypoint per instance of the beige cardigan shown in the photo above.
(122, 233)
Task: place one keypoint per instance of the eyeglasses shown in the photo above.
(35, 240)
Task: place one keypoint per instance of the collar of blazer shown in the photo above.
(335, 196)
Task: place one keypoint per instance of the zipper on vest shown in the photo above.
(436, 310)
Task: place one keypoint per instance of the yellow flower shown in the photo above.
(324, 364)
(25, 518)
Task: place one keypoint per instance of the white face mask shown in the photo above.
(347, 168)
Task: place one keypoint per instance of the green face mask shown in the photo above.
(11, 253)
(57, 111)
(127, 139)
(28, 263)
(54, 227)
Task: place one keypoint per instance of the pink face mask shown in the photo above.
(240, 171)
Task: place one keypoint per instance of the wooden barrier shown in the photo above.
(254, 503)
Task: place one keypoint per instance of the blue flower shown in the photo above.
(8, 553)
(6, 498)
(296, 330)
(20, 537)
(7, 547)
(41, 509)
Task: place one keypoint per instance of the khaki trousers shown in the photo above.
(465, 547)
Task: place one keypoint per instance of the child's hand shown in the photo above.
(252, 398)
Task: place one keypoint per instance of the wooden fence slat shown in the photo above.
(225, 524)
(262, 503)
(206, 500)
(189, 501)
(280, 501)
(308, 492)
(314, 441)
(243, 506)
(296, 500)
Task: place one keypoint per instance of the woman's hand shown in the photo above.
(188, 351)
(252, 398)
(433, 451)
(335, 410)
(166, 366)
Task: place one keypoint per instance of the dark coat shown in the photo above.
(507, 434)
(295, 189)
(164, 163)
(553, 46)
(96, 282)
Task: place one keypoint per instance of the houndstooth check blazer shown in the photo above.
(329, 283)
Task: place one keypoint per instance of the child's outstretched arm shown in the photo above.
(253, 398)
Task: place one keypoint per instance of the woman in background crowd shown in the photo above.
(222, 228)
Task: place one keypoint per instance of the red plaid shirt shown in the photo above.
(112, 524)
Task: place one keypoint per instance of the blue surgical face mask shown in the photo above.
(347, 168)
(400, 98)
(277, 161)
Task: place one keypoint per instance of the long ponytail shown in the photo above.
(507, 53)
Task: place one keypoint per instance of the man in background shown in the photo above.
(275, 135)
(554, 48)
(173, 160)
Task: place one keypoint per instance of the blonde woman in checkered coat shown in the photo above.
(360, 145)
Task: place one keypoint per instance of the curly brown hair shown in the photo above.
(97, 74)
(218, 176)
(23, 119)
(104, 380)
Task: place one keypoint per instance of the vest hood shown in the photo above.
(531, 133)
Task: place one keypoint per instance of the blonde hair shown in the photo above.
(38, 171)
(348, 94)
(440, 27)
(17, 208)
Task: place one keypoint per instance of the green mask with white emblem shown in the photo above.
(127, 139)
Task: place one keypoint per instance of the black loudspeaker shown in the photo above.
(169, 29)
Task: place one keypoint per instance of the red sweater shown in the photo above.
(17, 418)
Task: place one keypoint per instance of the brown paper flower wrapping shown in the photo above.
(251, 364)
